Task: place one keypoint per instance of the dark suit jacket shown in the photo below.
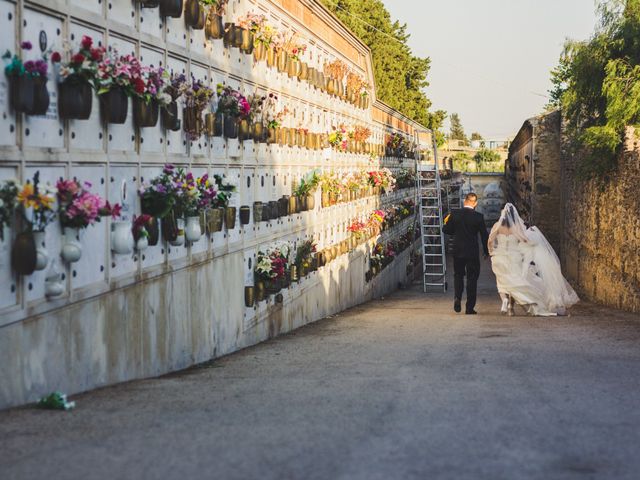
(465, 224)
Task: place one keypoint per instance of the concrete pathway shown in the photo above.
(400, 388)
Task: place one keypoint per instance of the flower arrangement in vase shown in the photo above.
(196, 98)
(232, 105)
(28, 92)
(255, 118)
(304, 257)
(336, 71)
(79, 78)
(214, 27)
(150, 95)
(305, 189)
(382, 179)
(263, 39)
(119, 77)
(36, 203)
(294, 48)
(248, 26)
(273, 116)
(338, 138)
(170, 93)
(272, 267)
(78, 208)
(141, 229)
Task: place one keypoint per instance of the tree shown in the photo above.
(476, 136)
(484, 159)
(456, 132)
(597, 86)
(399, 75)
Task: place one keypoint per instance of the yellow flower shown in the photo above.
(46, 201)
(25, 197)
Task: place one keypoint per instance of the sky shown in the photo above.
(490, 59)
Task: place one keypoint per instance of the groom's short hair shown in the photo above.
(470, 197)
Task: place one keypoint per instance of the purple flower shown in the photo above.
(29, 66)
(41, 67)
(26, 45)
(168, 169)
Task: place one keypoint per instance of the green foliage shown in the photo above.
(597, 86)
(486, 156)
(462, 162)
(476, 136)
(400, 76)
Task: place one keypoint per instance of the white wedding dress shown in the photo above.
(527, 268)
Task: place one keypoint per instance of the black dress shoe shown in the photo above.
(456, 305)
(471, 312)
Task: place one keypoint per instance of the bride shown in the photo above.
(527, 269)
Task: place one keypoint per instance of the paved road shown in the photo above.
(400, 388)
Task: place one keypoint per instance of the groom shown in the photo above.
(465, 224)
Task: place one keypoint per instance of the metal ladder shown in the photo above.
(433, 247)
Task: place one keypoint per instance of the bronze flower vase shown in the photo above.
(230, 218)
(192, 12)
(171, 8)
(229, 34)
(214, 219)
(114, 106)
(192, 121)
(259, 51)
(230, 126)
(75, 98)
(169, 117)
(271, 57)
(214, 124)
(237, 37)
(244, 129)
(310, 200)
(249, 297)
(24, 254)
(258, 132)
(170, 229)
(281, 59)
(245, 214)
(153, 229)
(292, 137)
(145, 114)
(260, 291)
(303, 71)
(292, 67)
(246, 41)
(257, 212)
(272, 136)
(215, 27)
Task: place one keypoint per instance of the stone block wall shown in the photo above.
(601, 234)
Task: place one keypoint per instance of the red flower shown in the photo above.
(139, 85)
(78, 58)
(96, 54)
(87, 42)
(55, 57)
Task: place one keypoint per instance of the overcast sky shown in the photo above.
(490, 57)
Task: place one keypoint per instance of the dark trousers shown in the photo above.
(471, 268)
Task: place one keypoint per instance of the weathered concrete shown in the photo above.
(398, 388)
(171, 322)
